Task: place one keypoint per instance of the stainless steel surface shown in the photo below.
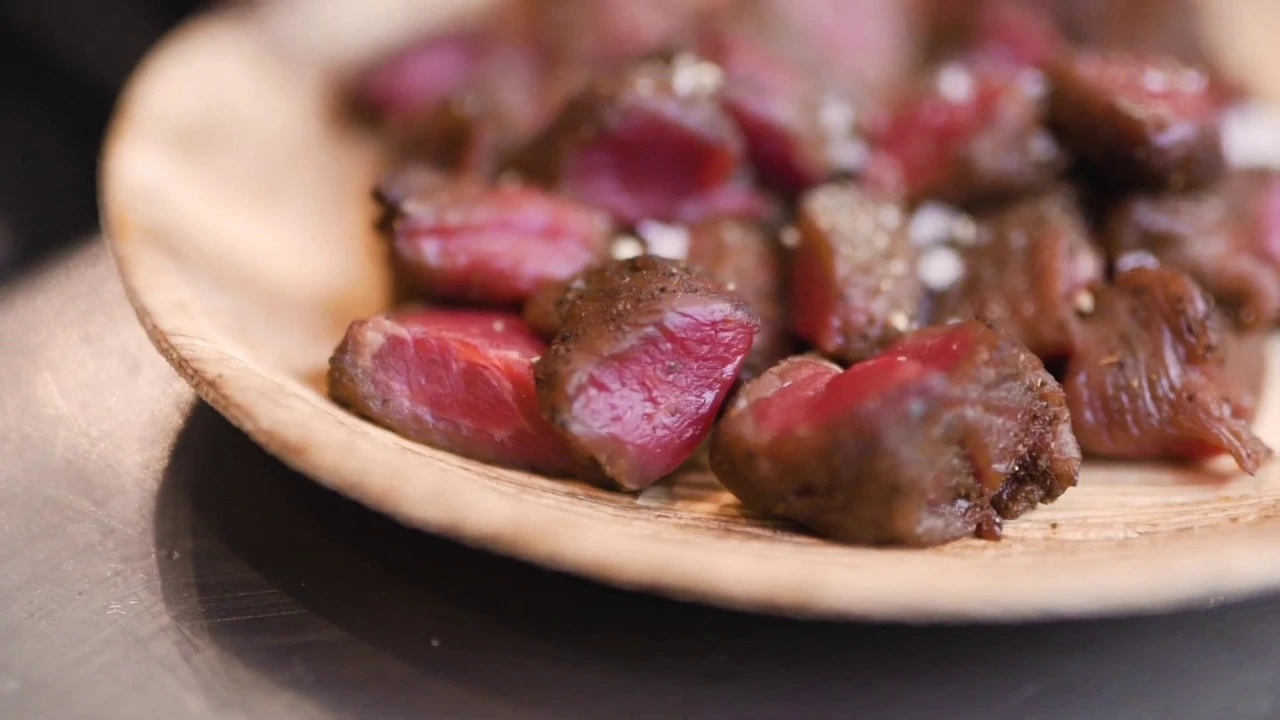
(158, 565)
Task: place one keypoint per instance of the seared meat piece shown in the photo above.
(853, 283)
(461, 101)
(972, 133)
(460, 381)
(1217, 236)
(746, 261)
(652, 142)
(646, 353)
(797, 132)
(416, 80)
(1146, 379)
(936, 439)
(1024, 272)
(496, 245)
(1142, 122)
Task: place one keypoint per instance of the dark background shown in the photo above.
(62, 63)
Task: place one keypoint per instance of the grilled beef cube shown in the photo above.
(854, 288)
(938, 438)
(973, 133)
(1214, 236)
(747, 262)
(1147, 380)
(1024, 272)
(645, 355)
(1136, 121)
(461, 381)
(798, 130)
(497, 244)
(651, 142)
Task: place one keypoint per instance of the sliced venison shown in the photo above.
(854, 288)
(936, 439)
(1147, 381)
(645, 355)
(651, 142)
(460, 240)
(1138, 121)
(461, 381)
(971, 133)
(1024, 271)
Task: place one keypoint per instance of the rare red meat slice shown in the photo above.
(652, 142)
(487, 244)
(936, 439)
(460, 381)
(854, 287)
(1137, 121)
(1218, 236)
(646, 353)
(747, 262)
(971, 133)
(1025, 271)
(417, 79)
(797, 131)
(1146, 380)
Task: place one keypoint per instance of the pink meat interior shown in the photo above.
(643, 409)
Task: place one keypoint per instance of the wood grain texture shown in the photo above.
(237, 203)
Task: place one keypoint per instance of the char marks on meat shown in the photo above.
(458, 380)
(971, 133)
(1147, 379)
(650, 142)
(1140, 122)
(646, 354)
(854, 288)
(497, 244)
(1217, 236)
(936, 439)
(1025, 272)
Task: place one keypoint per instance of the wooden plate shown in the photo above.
(237, 204)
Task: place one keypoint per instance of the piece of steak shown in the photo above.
(1217, 236)
(747, 262)
(457, 380)
(854, 288)
(936, 439)
(798, 130)
(645, 355)
(1025, 271)
(650, 142)
(497, 244)
(970, 133)
(1138, 121)
(1146, 379)
(418, 78)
